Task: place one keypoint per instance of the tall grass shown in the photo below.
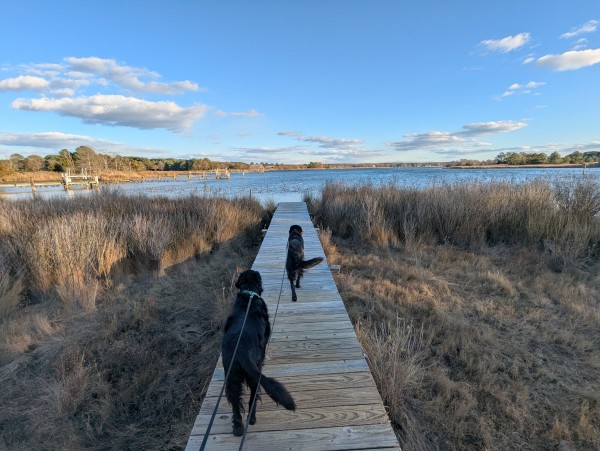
(560, 217)
(73, 247)
(478, 306)
(111, 308)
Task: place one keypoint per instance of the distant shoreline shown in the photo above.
(527, 166)
(134, 176)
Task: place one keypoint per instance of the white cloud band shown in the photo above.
(575, 59)
(117, 110)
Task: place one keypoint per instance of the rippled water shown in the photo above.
(288, 186)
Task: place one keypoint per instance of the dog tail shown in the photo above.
(277, 392)
(312, 262)
(275, 389)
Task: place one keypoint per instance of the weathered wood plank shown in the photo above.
(304, 368)
(316, 382)
(312, 335)
(336, 438)
(308, 399)
(281, 327)
(301, 419)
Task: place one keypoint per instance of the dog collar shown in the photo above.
(251, 293)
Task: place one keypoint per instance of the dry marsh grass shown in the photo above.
(478, 307)
(111, 315)
(560, 217)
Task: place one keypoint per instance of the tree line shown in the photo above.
(522, 158)
(85, 157)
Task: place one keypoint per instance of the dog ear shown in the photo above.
(241, 279)
(258, 282)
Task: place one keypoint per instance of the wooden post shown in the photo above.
(32, 185)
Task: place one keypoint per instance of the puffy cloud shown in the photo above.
(507, 44)
(490, 128)
(24, 83)
(572, 60)
(441, 140)
(127, 76)
(117, 110)
(429, 140)
(325, 142)
(588, 27)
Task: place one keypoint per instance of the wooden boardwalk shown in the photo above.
(314, 352)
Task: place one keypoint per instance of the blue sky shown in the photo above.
(299, 81)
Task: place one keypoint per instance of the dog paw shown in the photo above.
(297, 285)
(294, 299)
(238, 430)
(253, 419)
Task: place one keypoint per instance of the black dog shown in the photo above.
(295, 263)
(247, 364)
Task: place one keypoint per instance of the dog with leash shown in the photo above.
(295, 263)
(246, 366)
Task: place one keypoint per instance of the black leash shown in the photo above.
(214, 414)
(253, 406)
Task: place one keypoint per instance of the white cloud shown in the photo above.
(128, 77)
(99, 91)
(50, 140)
(441, 140)
(594, 145)
(572, 60)
(517, 89)
(431, 140)
(343, 155)
(580, 44)
(333, 143)
(529, 59)
(507, 44)
(117, 110)
(588, 27)
(66, 92)
(265, 152)
(490, 128)
(24, 83)
(249, 113)
(325, 142)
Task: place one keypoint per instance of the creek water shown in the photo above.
(290, 186)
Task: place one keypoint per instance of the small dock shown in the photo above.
(69, 180)
(314, 352)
